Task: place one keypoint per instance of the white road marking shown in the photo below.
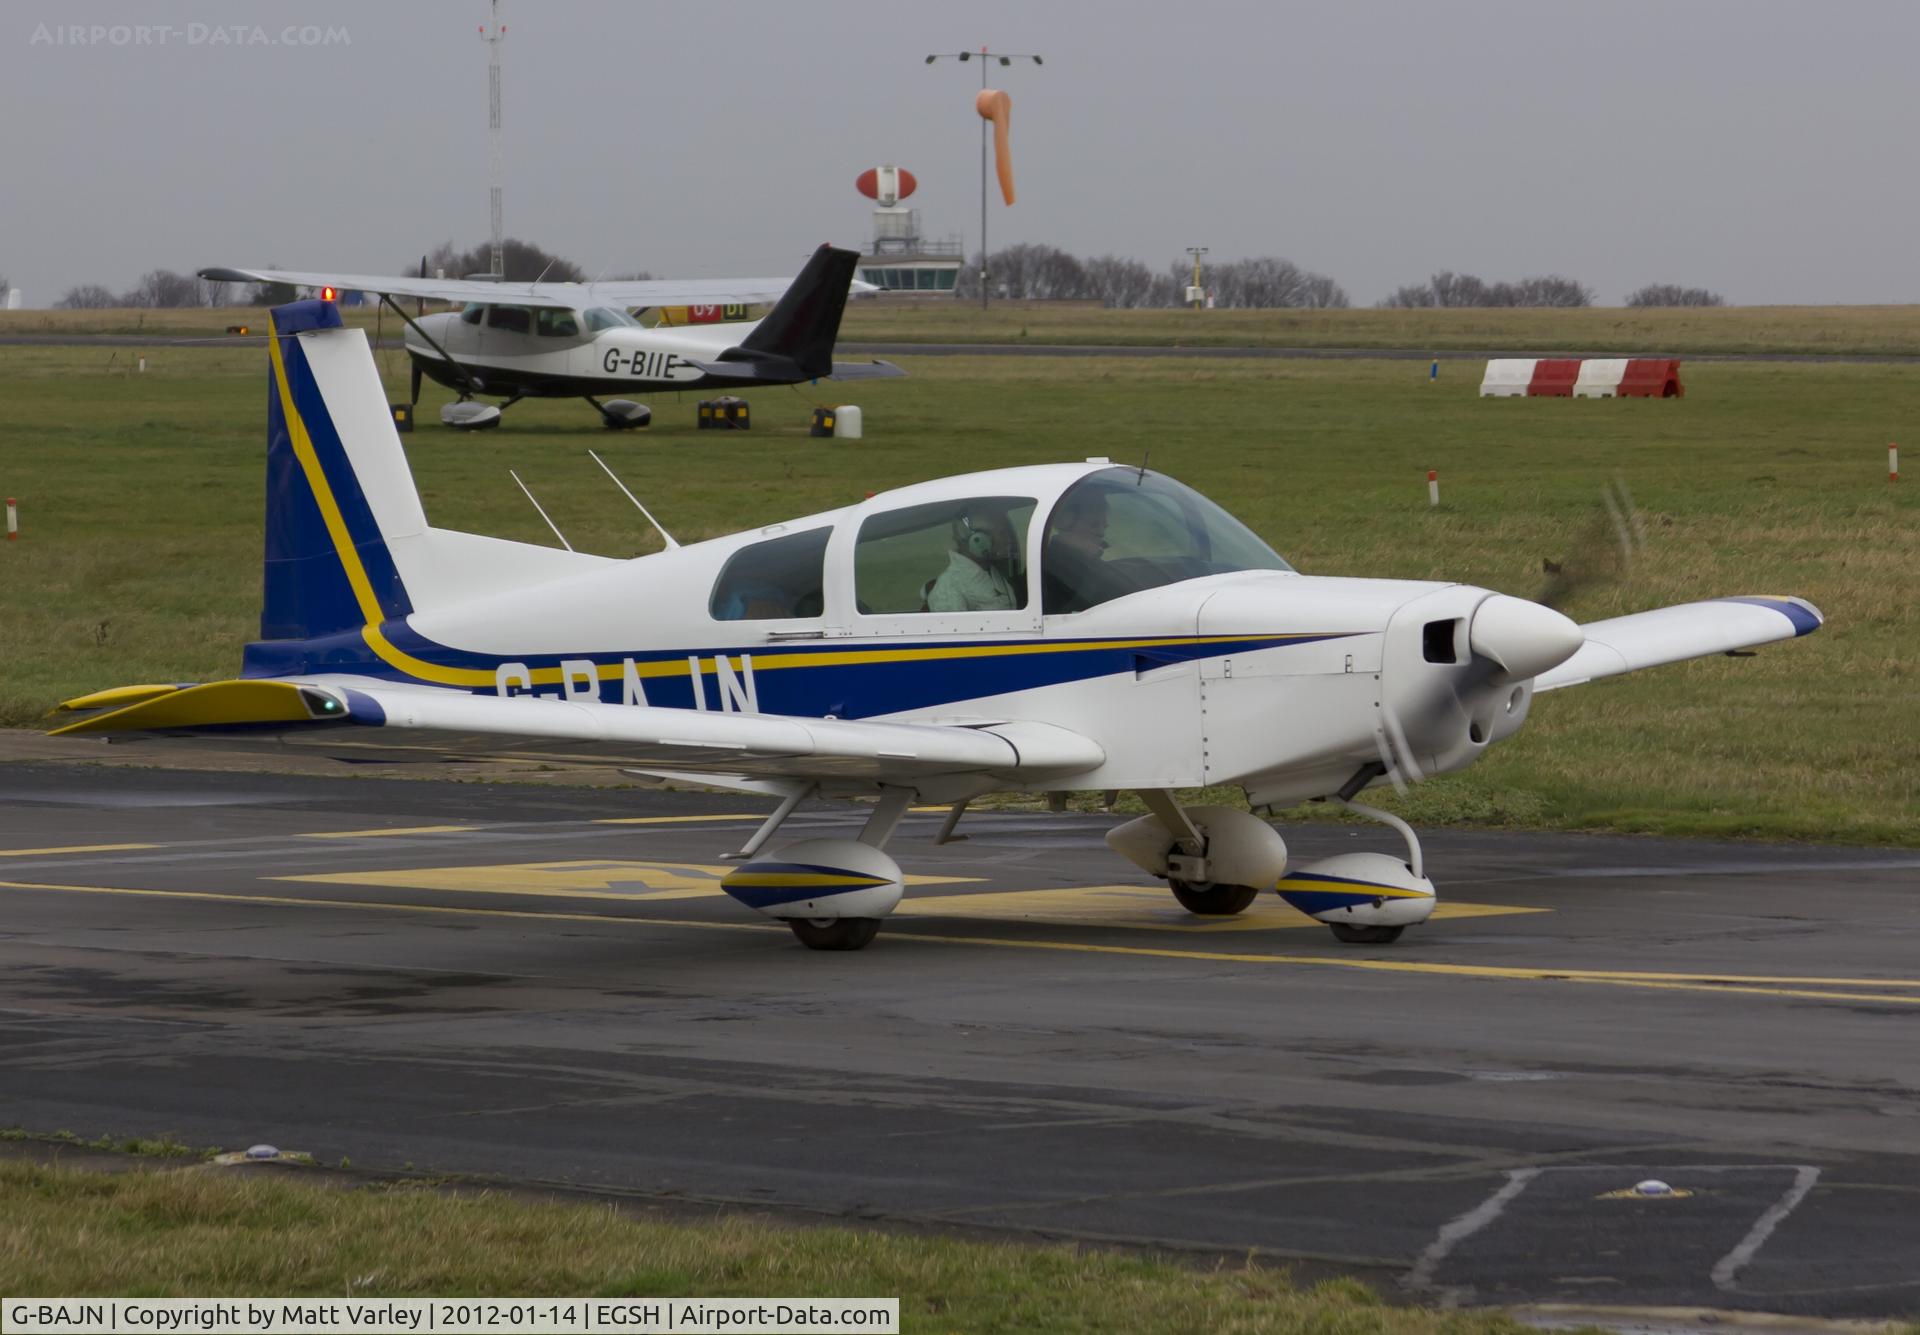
(1728, 1267)
(1457, 1230)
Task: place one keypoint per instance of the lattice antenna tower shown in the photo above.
(493, 34)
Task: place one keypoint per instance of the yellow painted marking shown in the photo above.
(800, 880)
(677, 820)
(1135, 906)
(590, 879)
(1629, 1194)
(72, 848)
(375, 834)
(1805, 988)
(289, 901)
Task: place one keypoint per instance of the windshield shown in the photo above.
(605, 317)
(1122, 530)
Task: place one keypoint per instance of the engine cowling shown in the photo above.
(819, 879)
(1360, 889)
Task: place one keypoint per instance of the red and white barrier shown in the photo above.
(1507, 377)
(1592, 378)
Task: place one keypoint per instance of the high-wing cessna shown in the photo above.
(1048, 627)
(577, 340)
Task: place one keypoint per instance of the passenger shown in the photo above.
(975, 579)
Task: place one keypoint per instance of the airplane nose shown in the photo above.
(1524, 638)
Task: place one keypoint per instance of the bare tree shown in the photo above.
(162, 288)
(525, 263)
(1262, 282)
(1672, 294)
(272, 294)
(1120, 283)
(1448, 288)
(86, 297)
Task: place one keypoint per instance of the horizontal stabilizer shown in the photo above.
(874, 370)
(1671, 634)
(224, 704)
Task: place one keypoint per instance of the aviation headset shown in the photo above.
(975, 542)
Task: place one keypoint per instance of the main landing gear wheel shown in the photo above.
(834, 933)
(1210, 900)
(1364, 936)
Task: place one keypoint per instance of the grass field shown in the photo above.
(203, 1234)
(1816, 330)
(141, 500)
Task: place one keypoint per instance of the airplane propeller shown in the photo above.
(1603, 551)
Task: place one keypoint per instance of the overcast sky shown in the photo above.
(1766, 150)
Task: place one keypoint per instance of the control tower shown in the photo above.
(900, 258)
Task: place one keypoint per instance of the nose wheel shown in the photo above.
(835, 933)
(1210, 900)
(1364, 936)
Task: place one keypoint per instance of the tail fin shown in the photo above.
(802, 326)
(348, 543)
(338, 486)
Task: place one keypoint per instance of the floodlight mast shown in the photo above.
(493, 34)
(1193, 289)
(1005, 58)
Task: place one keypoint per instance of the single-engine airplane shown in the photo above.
(1072, 625)
(577, 340)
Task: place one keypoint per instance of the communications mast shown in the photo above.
(493, 34)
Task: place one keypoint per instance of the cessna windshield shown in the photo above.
(1123, 530)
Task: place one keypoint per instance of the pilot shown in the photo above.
(975, 579)
(1074, 576)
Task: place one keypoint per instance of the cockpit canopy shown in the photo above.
(1110, 533)
(1123, 530)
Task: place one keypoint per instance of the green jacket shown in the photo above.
(967, 586)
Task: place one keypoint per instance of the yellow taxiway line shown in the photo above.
(72, 848)
(381, 833)
(1818, 989)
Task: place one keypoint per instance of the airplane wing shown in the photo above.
(1689, 630)
(877, 369)
(566, 296)
(357, 716)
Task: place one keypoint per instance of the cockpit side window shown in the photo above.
(550, 322)
(962, 555)
(511, 319)
(777, 580)
(605, 317)
(1122, 530)
(473, 314)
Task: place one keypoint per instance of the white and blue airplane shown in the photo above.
(1073, 625)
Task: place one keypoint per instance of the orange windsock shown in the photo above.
(996, 106)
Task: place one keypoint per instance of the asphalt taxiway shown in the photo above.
(546, 985)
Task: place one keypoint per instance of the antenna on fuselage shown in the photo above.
(1144, 456)
(543, 514)
(665, 536)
